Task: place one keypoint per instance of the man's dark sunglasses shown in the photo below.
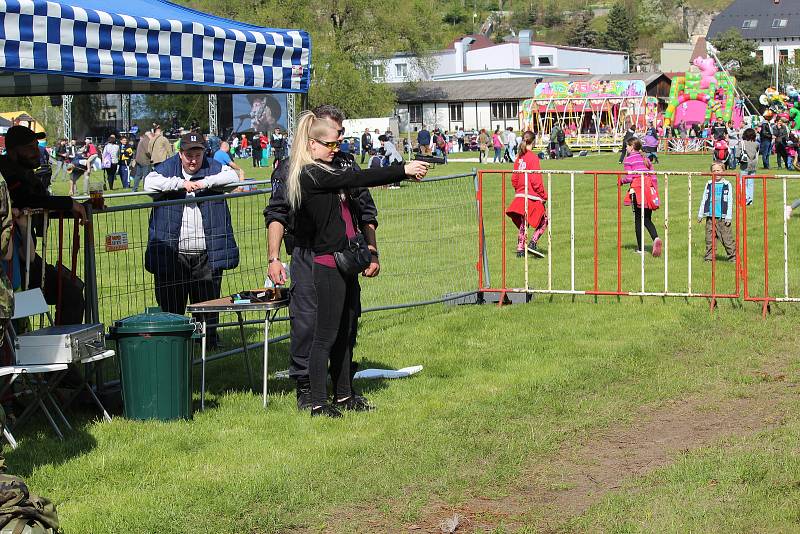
(330, 145)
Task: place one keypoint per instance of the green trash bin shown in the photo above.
(155, 358)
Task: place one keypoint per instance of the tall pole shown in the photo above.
(775, 57)
(67, 105)
(213, 127)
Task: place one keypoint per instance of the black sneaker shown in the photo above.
(520, 253)
(303, 396)
(327, 410)
(356, 403)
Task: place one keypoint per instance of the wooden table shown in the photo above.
(227, 305)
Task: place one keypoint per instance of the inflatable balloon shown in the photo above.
(701, 93)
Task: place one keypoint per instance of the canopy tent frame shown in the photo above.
(71, 47)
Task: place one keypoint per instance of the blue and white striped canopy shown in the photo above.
(137, 46)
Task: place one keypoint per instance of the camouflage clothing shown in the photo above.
(22, 512)
(6, 224)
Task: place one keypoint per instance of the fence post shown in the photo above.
(550, 231)
(785, 246)
(571, 230)
(666, 233)
(483, 260)
(89, 267)
(689, 253)
(765, 308)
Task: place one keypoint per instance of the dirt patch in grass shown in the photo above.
(554, 489)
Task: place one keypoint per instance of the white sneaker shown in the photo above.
(787, 212)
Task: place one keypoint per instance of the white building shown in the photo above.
(468, 104)
(477, 54)
(773, 24)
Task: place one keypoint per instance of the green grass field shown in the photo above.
(508, 410)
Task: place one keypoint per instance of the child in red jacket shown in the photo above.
(536, 216)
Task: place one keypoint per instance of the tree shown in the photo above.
(622, 30)
(581, 32)
(752, 76)
(49, 117)
(346, 36)
(185, 109)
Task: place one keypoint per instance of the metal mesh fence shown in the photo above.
(425, 236)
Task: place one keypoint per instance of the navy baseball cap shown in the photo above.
(22, 135)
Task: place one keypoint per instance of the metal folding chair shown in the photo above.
(34, 378)
(30, 303)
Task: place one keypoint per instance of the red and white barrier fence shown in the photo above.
(588, 272)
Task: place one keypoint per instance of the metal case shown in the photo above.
(60, 344)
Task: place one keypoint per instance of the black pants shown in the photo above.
(72, 301)
(637, 222)
(303, 314)
(194, 279)
(783, 155)
(111, 174)
(256, 158)
(337, 313)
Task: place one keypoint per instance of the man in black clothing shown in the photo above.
(630, 133)
(366, 144)
(27, 191)
(720, 130)
(781, 134)
(302, 306)
(765, 144)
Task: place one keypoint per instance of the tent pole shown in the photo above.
(213, 127)
(67, 108)
(125, 105)
(291, 111)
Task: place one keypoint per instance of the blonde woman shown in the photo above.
(324, 223)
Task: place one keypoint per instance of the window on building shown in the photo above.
(780, 23)
(378, 72)
(415, 112)
(504, 110)
(749, 24)
(544, 61)
(456, 112)
(401, 70)
(760, 55)
(783, 56)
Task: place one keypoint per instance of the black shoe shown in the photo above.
(355, 403)
(303, 396)
(328, 410)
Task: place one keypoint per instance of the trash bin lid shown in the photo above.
(153, 320)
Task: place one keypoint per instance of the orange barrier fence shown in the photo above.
(593, 201)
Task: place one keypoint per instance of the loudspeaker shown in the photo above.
(56, 100)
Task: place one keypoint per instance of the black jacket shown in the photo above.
(278, 208)
(29, 192)
(318, 221)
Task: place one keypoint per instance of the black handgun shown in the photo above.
(429, 159)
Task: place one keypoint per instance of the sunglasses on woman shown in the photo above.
(330, 145)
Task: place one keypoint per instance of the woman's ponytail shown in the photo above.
(299, 157)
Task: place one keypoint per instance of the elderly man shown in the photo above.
(189, 245)
(27, 191)
(303, 305)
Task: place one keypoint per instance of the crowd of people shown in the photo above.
(322, 210)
